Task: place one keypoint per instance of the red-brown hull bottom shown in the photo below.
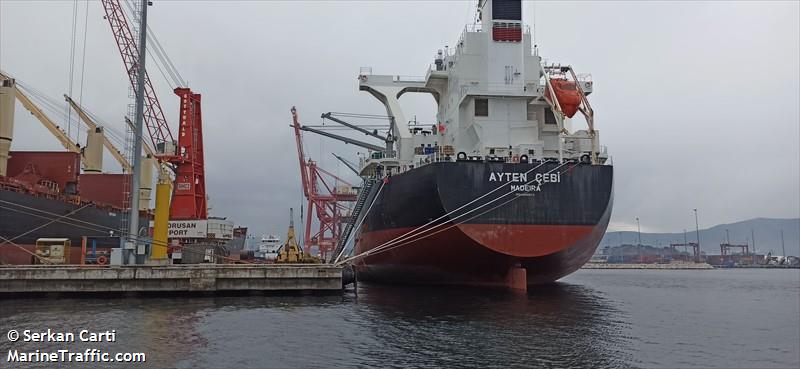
(23, 254)
(457, 257)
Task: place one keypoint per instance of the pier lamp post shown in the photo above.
(639, 236)
(697, 229)
(639, 231)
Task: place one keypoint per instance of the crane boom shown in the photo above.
(145, 146)
(126, 166)
(186, 155)
(329, 116)
(347, 163)
(154, 119)
(344, 139)
(48, 123)
(300, 154)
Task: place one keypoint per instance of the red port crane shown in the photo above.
(189, 195)
(328, 206)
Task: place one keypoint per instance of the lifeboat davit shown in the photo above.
(567, 94)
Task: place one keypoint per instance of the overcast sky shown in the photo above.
(698, 103)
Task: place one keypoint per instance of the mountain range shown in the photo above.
(766, 231)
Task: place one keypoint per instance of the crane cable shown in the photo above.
(77, 223)
(87, 225)
(83, 64)
(447, 228)
(53, 106)
(10, 241)
(407, 238)
(374, 199)
(420, 230)
(162, 58)
(1, 35)
(72, 62)
(48, 223)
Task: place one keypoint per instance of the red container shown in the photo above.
(104, 189)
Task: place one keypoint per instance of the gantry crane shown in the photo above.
(328, 206)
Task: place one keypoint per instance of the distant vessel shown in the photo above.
(500, 191)
(268, 248)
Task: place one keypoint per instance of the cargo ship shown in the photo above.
(64, 194)
(502, 190)
(45, 195)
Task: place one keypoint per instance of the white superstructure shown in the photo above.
(493, 99)
(269, 247)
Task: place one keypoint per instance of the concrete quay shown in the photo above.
(671, 266)
(170, 278)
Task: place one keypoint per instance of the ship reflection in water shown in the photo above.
(594, 319)
(558, 325)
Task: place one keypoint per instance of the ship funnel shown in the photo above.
(503, 18)
(146, 182)
(93, 152)
(7, 102)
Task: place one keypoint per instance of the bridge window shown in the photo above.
(549, 117)
(531, 112)
(481, 107)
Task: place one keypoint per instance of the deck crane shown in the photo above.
(347, 163)
(115, 152)
(327, 205)
(149, 157)
(91, 154)
(91, 161)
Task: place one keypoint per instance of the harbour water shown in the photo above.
(746, 318)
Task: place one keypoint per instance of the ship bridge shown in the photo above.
(496, 100)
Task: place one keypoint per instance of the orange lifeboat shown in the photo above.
(567, 94)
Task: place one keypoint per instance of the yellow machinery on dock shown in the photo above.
(52, 251)
(290, 252)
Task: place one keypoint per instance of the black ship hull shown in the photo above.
(477, 223)
(24, 218)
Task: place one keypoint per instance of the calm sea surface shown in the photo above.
(591, 319)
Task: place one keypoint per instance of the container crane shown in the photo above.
(327, 205)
